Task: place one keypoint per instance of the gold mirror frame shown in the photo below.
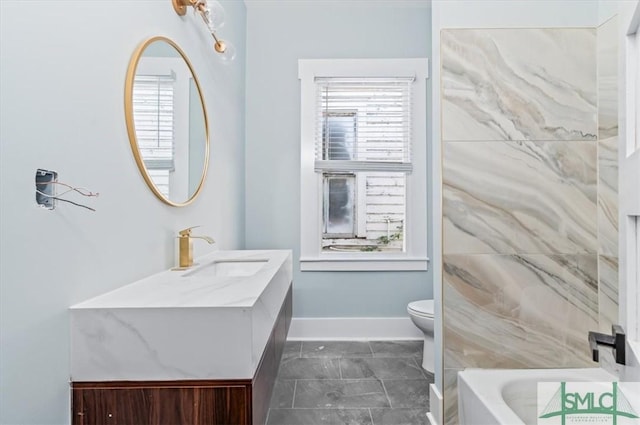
(131, 130)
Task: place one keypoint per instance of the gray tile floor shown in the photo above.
(351, 383)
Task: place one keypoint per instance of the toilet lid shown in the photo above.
(422, 307)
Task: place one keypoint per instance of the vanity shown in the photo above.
(195, 346)
(198, 345)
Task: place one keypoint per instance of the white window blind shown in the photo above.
(153, 109)
(363, 124)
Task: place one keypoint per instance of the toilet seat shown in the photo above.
(422, 308)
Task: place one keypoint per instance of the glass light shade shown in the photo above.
(216, 15)
(229, 53)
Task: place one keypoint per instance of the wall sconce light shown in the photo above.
(212, 13)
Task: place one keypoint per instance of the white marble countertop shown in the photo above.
(187, 288)
(178, 325)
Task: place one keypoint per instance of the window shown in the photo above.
(161, 102)
(153, 106)
(363, 164)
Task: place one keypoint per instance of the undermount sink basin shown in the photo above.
(228, 268)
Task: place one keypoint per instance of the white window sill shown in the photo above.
(362, 263)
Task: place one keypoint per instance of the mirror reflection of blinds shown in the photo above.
(363, 124)
(153, 105)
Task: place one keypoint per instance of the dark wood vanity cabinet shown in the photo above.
(167, 403)
(197, 402)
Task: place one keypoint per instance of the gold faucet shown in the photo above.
(186, 246)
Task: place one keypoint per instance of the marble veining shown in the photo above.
(179, 289)
(381, 368)
(170, 326)
(608, 179)
(407, 393)
(397, 349)
(608, 292)
(528, 198)
(310, 368)
(337, 349)
(493, 89)
(384, 394)
(608, 196)
(451, 396)
(342, 394)
(519, 197)
(538, 309)
(400, 416)
(608, 79)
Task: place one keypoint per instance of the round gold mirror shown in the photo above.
(167, 121)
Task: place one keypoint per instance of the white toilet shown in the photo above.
(421, 313)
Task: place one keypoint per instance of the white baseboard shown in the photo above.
(436, 406)
(431, 419)
(353, 328)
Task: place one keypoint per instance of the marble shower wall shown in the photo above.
(520, 199)
(519, 84)
(608, 173)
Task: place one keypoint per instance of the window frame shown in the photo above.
(178, 69)
(312, 258)
(326, 177)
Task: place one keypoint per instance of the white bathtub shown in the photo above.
(509, 396)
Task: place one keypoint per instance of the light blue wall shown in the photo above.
(278, 34)
(607, 9)
(197, 133)
(62, 81)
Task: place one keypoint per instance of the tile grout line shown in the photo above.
(386, 394)
(293, 399)
(415, 362)
(422, 371)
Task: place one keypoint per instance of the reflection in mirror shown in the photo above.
(167, 121)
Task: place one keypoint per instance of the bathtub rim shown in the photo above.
(486, 386)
